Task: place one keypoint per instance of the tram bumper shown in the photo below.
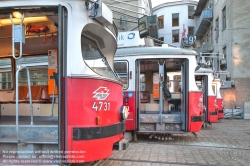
(121, 145)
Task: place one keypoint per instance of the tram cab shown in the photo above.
(59, 94)
(157, 104)
(216, 85)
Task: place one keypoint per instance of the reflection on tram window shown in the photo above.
(95, 59)
(5, 74)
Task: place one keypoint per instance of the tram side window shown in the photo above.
(38, 76)
(121, 67)
(199, 85)
(175, 84)
(5, 74)
(38, 70)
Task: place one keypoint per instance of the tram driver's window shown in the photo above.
(121, 67)
(177, 83)
(5, 74)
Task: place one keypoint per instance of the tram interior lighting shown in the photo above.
(7, 21)
(17, 14)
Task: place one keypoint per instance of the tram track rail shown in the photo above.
(203, 146)
(164, 162)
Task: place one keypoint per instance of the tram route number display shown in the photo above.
(189, 40)
(101, 106)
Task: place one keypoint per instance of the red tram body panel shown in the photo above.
(129, 100)
(212, 109)
(195, 117)
(91, 114)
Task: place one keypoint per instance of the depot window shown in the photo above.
(95, 60)
(191, 12)
(175, 19)
(161, 22)
(175, 34)
(224, 23)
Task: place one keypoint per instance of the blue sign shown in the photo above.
(131, 35)
(189, 40)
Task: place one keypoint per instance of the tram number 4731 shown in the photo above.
(99, 106)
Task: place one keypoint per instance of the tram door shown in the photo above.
(137, 92)
(184, 95)
(204, 82)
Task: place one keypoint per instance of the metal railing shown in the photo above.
(17, 36)
(207, 16)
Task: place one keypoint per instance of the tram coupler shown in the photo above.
(121, 145)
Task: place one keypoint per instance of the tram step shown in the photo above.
(28, 141)
(157, 118)
(162, 128)
(29, 132)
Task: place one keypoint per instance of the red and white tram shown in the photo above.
(204, 78)
(216, 85)
(59, 94)
(153, 107)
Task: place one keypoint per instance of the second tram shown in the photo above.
(204, 77)
(153, 107)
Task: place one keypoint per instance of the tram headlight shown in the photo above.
(124, 112)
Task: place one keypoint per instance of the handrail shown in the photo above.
(13, 39)
(19, 68)
(17, 98)
(161, 80)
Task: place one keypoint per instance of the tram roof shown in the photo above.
(154, 51)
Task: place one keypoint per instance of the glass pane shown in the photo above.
(176, 15)
(121, 67)
(95, 59)
(38, 75)
(5, 74)
(38, 70)
(142, 82)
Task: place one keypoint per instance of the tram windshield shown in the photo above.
(95, 59)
